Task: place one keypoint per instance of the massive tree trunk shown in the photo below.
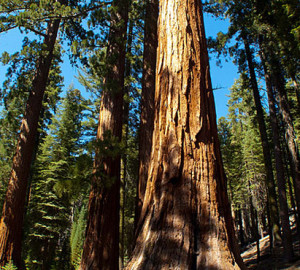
(13, 208)
(147, 100)
(281, 183)
(185, 220)
(266, 148)
(101, 247)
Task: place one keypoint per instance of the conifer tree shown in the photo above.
(43, 19)
(101, 247)
(61, 174)
(11, 225)
(185, 168)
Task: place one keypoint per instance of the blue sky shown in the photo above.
(222, 77)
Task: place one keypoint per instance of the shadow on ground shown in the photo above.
(269, 261)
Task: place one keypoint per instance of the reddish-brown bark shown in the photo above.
(13, 208)
(101, 247)
(147, 100)
(185, 221)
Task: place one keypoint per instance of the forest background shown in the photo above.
(262, 201)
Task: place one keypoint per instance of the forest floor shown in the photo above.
(269, 261)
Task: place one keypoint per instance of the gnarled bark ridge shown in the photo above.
(185, 221)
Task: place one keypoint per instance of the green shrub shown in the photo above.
(9, 266)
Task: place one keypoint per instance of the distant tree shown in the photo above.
(60, 178)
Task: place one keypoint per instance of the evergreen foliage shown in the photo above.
(62, 166)
(77, 236)
(9, 266)
(242, 152)
(60, 180)
(13, 96)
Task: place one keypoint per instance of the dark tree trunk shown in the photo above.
(281, 183)
(101, 246)
(254, 228)
(125, 138)
(296, 85)
(265, 146)
(288, 124)
(186, 220)
(147, 100)
(241, 231)
(247, 225)
(13, 208)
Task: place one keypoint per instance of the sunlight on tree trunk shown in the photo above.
(185, 221)
(101, 247)
(147, 101)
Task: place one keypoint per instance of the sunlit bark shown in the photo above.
(101, 247)
(147, 100)
(185, 221)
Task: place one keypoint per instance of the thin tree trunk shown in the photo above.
(241, 231)
(122, 208)
(265, 146)
(289, 171)
(281, 183)
(13, 209)
(296, 85)
(289, 129)
(254, 228)
(247, 225)
(186, 220)
(147, 101)
(254, 221)
(101, 246)
(125, 139)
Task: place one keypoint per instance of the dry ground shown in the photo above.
(268, 261)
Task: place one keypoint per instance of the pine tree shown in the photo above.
(60, 178)
(249, 177)
(42, 18)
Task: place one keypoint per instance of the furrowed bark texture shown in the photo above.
(147, 100)
(101, 247)
(185, 220)
(13, 209)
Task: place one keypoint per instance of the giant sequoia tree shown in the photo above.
(101, 247)
(185, 221)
